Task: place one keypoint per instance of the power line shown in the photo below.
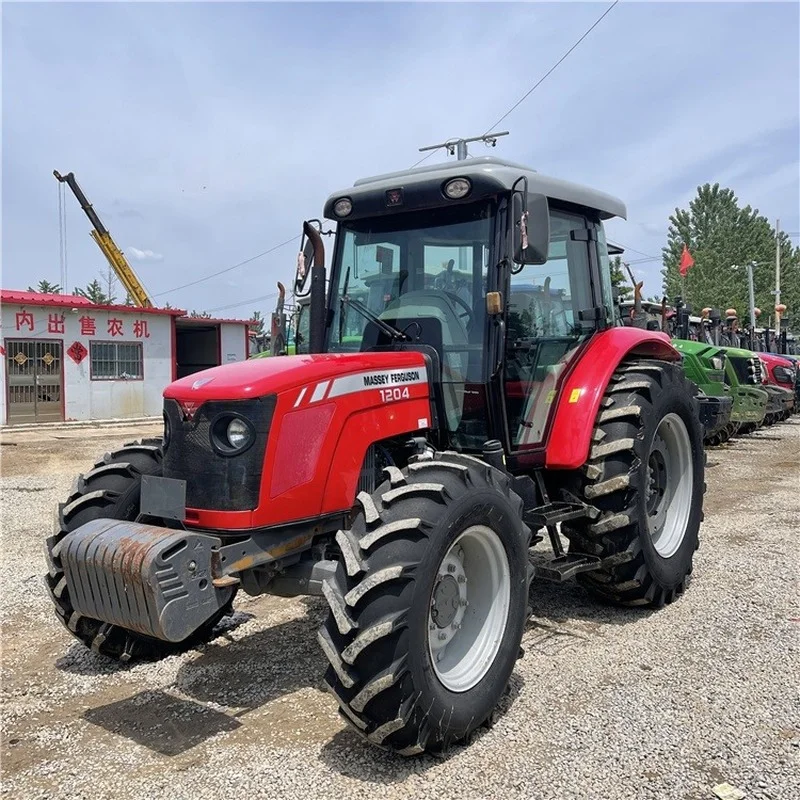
(632, 250)
(538, 83)
(229, 269)
(510, 110)
(554, 67)
(244, 302)
(645, 260)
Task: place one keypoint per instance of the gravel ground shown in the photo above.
(606, 703)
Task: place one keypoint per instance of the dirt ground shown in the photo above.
(607, 703)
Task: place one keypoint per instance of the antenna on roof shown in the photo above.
(458, 147)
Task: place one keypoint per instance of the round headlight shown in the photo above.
(457, 188)
(238, 434)
(343, 207)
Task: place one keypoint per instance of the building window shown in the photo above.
(116, 361)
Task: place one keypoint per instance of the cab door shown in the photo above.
(545, 328)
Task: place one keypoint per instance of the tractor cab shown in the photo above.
(498, 273)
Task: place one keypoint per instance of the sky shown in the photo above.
(204, 133)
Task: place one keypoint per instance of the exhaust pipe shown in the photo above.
(317, 312)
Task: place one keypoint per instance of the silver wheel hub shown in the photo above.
(449, 601)
(469, 608)
(670, 482)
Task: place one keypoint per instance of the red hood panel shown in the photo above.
(262, 376)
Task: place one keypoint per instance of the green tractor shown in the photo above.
(756, 371)
(703, 363)
(743, 376)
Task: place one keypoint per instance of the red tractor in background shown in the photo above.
(780, 374)
(448, 415)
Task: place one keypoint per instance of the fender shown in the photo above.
(583, 389)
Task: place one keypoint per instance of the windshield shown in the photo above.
(403, 265)
(423, 273)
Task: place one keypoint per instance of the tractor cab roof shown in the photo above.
(488, 176)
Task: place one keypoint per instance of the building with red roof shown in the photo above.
(66, 358)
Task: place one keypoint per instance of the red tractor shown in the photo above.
(779, 377)
(446, 417)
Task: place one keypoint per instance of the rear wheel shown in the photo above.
(111, 490)
(428, 604)
(646, 476)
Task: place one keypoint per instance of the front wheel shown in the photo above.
(428, 604)
(645, 474)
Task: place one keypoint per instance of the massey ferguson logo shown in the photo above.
(390, 379)
(188, 409)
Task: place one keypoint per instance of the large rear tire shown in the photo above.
(428, 604)
(112, 490)
(646, 476)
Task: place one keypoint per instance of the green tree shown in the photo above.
(790, 283)
(256, 323)
(720, 234)
(45, 287)
(200, 315)
(620, 279)
(94, 293)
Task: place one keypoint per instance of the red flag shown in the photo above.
(686, 262)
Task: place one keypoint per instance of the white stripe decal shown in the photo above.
(319, 391)
(364, 381)
(300, 397)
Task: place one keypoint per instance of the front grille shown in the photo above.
(213, 481)
(758, 375)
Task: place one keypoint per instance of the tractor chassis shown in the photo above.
(164, 580)
(715, 413)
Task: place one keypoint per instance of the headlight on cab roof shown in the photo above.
(457, 188)
(343, 206)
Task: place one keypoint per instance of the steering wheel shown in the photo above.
(466, 306)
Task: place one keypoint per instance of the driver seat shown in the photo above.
(426, 303)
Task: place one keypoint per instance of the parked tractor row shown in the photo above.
(741, 390)
(462, 389)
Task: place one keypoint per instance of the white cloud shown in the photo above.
(144, 255)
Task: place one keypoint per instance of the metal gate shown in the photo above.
(34, 380)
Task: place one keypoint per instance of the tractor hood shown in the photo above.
(263, 376)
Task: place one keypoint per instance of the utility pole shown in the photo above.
(458, 147)
(777, 278)
(750, 265)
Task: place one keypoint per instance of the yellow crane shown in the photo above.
(128, 278)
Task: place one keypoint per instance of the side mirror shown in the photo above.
(531, 231)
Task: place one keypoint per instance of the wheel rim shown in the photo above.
(670, 480)
(469, 608)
